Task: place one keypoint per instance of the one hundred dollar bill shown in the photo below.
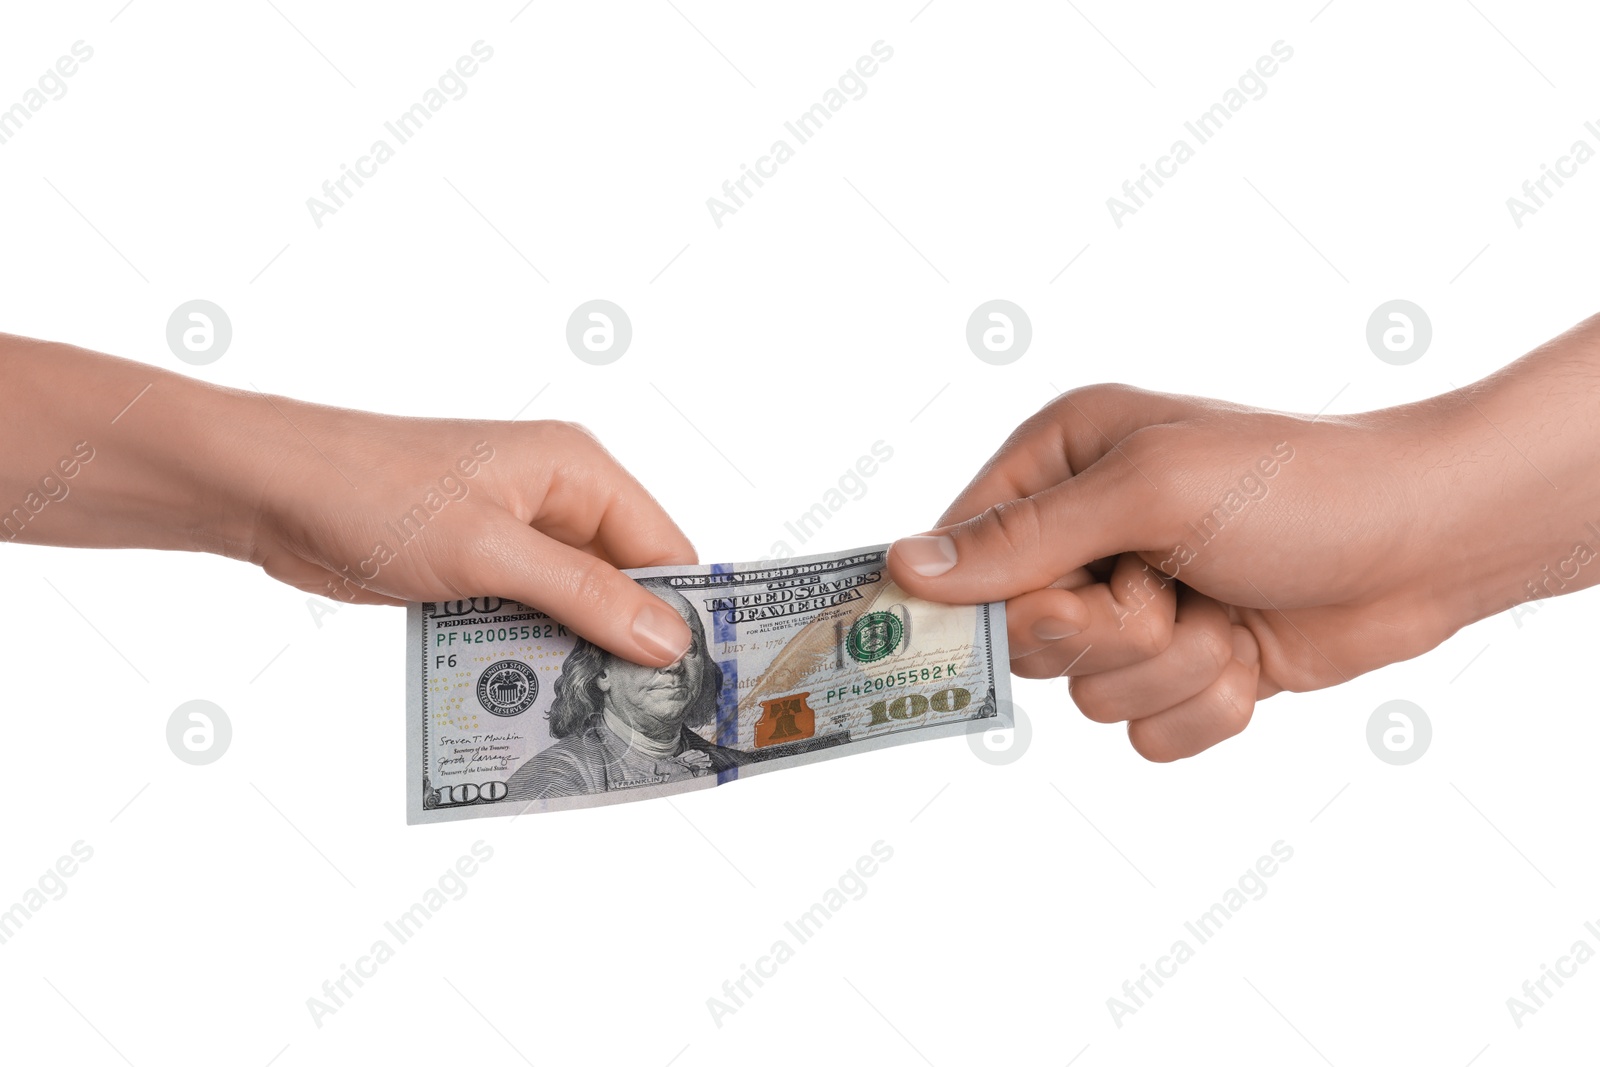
(791, 662)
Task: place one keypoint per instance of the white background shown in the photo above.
(1019, 898)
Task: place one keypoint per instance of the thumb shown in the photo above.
(589, 595)
(1020, 545)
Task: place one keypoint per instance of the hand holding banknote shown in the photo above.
(364, 508)
(1306, 549)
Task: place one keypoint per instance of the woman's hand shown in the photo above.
(348, 504)
(399, 509)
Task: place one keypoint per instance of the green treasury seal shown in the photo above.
(874, 636)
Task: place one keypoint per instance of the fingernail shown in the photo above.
(930, 555)
(1050, 628)
(659, 629)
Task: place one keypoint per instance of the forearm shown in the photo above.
(102, 452)
(1514, 479)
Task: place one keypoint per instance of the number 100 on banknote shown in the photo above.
(790, 663)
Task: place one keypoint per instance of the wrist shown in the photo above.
(225, 447)
(1507, 494)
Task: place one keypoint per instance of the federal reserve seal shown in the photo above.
(874, 636)
(507, 687)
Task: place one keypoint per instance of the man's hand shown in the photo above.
(1181, 559)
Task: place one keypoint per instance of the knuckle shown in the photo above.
(1034, 666)
(1156, 452)
(1086, 414)
(1017, 523)
(1094, 702)
(1213, 649)
(477, 554)
(1152, 742)
(571, 434)
(1236, 704)
(478, 539)
(1149, 635)
(592, 584)
(1100, 396)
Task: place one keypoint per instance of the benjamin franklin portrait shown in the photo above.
(619, 725)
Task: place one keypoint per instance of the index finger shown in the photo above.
(1062, 439)
(594, 503)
